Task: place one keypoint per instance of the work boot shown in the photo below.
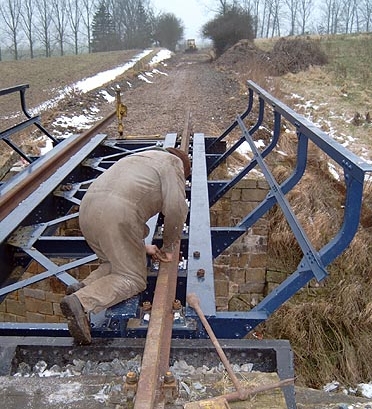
(77, 320)
(72, 288)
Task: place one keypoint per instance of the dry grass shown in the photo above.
(48, 76)
(329, 324)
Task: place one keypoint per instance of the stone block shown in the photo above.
(262, 184)
(248, 184)
(236, 195)
(34, 293)
(39, 306)
(249, 287)
(275, 276)
(35, 317)
(15, 307)
(51, 297)
(258, 260)
(239, 303)
(10, 317)
(257, 275)
(221, 288)
(253, 195)
(220, 275)
(239, 260)
(57, 309)
(57, 286)
(270, 287)
(237, 275)
(222, 303)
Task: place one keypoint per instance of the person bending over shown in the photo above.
(113, 215)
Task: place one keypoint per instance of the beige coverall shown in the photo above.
(113, 216)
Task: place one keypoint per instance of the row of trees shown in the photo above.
(133, 24)
(298, 17)
(30, 28)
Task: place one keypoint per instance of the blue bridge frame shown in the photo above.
(29, 232)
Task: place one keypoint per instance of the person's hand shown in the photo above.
(157, 254)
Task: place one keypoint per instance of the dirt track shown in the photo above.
(186, 81)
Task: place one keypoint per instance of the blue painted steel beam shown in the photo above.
(200, 249)
(15, 218)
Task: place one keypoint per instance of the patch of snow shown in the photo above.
(365, 389)
(107, 97)
(90, 83)
(143, 78)
(106, 76)
(333, 171)
(67, 393)
(161, 56)
(156, 71)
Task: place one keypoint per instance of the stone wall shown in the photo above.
(240, 272)
(38, 302)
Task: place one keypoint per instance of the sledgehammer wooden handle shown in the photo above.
(193, 301)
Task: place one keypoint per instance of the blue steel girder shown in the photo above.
(37, 241)
(6, 134)
(313, 263)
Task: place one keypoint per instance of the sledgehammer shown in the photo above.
(241, 392)
(193, 301)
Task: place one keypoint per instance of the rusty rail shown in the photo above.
(155, 360)
(10, 200)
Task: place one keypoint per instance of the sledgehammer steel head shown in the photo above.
(193, 300)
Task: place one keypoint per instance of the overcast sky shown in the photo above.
(193, 13)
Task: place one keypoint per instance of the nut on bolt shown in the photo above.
(146, 306)
(131, 378)
(169, 377)
(196, 254)
(177, 305)
(200, 273)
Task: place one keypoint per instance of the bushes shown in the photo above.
(295, 55)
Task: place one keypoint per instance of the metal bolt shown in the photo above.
(177, 305)
(169, 377)
(200, 273)
(196, 254)
(146, 306)
(131, 378)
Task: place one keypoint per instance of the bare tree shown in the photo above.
(27, 16)
(366, 12)
(253, 8)
(276, 7)
(331, 14)
(44, 25)
(10, 11)
(349, 14)
(292, 7)
(87, 12)
(305, 8)
(132, 20)
(59, 20)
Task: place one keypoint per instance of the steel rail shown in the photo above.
(10, 200)
(155, 359)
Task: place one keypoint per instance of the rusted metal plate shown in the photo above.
(155, 358)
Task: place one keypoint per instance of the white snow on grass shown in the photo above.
(84, 121)
(90, 83)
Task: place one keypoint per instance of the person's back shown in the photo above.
(113, 216)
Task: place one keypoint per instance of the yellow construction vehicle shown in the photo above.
(190, 45)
